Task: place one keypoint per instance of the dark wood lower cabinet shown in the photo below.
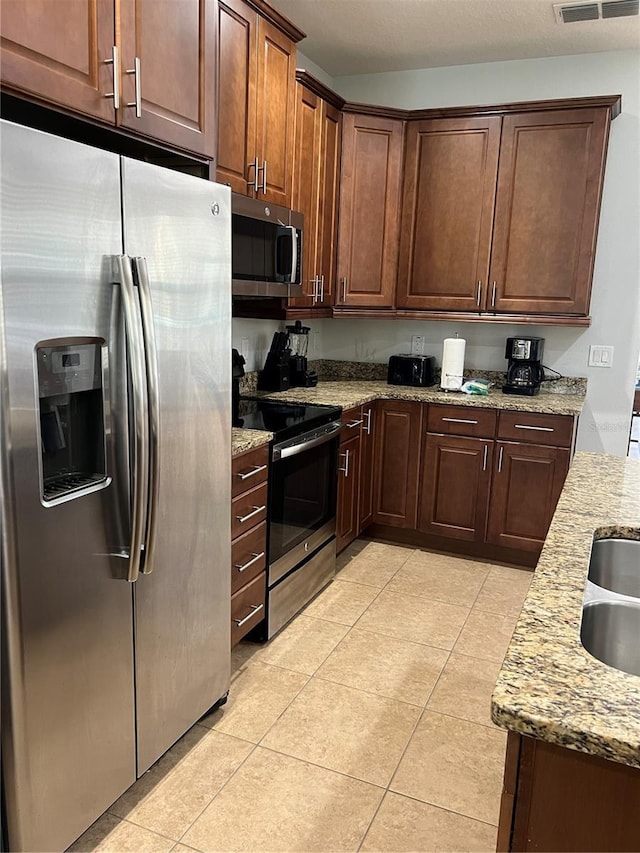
(348, 486)
(397, 463)
(367, 438)
(456, 475)
(527, 481)
(558, 799)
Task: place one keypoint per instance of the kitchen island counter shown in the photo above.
(350, 393)
(550, 687)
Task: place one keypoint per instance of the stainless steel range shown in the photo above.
(302, 501)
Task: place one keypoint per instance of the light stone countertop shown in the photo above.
(549, 686)
(248, 439)
(351, 393)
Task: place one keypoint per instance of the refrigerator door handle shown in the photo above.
(139, 483)
(151, 359)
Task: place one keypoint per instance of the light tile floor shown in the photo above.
(365, 725)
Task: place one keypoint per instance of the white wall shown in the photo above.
(615, 305)
(319, 73)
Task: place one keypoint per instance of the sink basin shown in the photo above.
(611, 632)
(615, 565)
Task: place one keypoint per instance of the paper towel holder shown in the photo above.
(452, 374)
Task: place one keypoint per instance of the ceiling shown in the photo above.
(347, 37)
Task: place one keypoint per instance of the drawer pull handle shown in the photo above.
(354, 424)
(255, 470)
(254, 559)
(535, 428)
(459, 421)
(484, 460)
(256, 510)
(255, 608)
(346, 455)
(367, 426)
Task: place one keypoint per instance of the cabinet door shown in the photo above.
(57, 52)
(237, 57)
(370, 186)
(348, 477)
(367, 439)
(547, 205)
(456, 473)
(397, 463)
(329, 194)
(175, 43)
(275, 107)
(526, 485)
(306, 188)
(447, 213)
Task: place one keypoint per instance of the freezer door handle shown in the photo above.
(135, 353)
(151, 360)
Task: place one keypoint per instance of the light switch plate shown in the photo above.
(600, 356)
(417, 344)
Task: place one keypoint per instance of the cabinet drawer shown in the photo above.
(248, 556)
(249, 470)
(462, 420)
(351, 422)
(247, 608)
(556, 430)
(248, 509)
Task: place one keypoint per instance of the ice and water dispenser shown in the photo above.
(71, 409)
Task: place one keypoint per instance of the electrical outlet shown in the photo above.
(417, 344)
(600, 356)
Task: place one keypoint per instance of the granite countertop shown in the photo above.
(349, 393)
(248, 439)
(549, 686)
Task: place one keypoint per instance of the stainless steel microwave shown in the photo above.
(266, 248)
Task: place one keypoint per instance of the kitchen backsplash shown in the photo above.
(329, 370)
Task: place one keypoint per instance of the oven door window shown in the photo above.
(303, 496)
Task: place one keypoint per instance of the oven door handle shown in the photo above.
(280, 452)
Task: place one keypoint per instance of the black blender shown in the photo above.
(525, 372)
(299, 372)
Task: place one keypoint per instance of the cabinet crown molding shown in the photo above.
(318, 88)
(278, 19)
(612, 102)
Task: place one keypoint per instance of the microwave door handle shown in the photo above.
(151, 359)
(140, 421)
(294, 253)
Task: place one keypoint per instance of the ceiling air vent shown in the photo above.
(570, 13)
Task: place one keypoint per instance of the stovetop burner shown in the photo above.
(285, 420)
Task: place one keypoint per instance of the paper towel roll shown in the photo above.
(452, 363)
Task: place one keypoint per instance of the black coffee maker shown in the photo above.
(525, 372)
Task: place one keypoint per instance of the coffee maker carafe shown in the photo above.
(299, 372)
(525, 372)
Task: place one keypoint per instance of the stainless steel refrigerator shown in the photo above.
(115, 347)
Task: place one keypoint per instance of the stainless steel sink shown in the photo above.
(611, 632)
(615, 565)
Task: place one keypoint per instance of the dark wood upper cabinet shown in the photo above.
(315, 190)
(256, 104)
(238, 56)
(456, 477)
(397, 463)
(370, 189)
(527, 481)
(447, 212)
(175, 43)
(306, 188)
(62, 52)
(547, 206)
(56, 51)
